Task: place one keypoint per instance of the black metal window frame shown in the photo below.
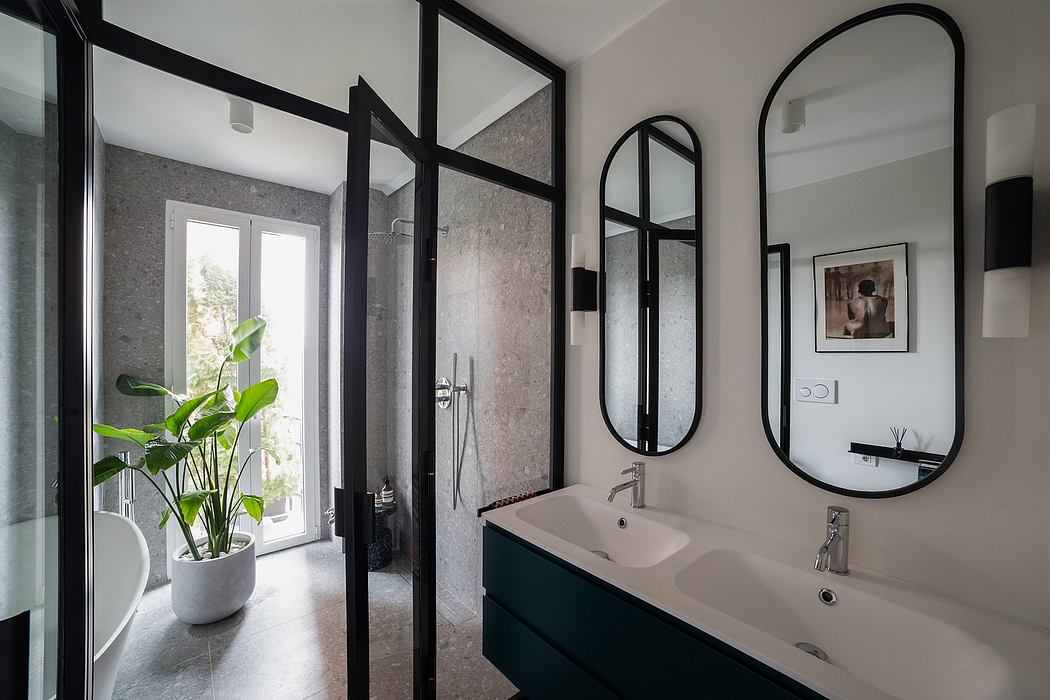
(649, 233)
(83, 26)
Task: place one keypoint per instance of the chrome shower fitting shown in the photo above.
(447, 394)
(393, 234)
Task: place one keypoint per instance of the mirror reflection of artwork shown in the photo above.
(862, 300)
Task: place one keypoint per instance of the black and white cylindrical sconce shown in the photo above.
(1009, 166)
(584, 291)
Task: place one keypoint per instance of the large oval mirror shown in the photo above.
(649, 296)
(861, 250)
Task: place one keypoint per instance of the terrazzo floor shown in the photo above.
(289, 642)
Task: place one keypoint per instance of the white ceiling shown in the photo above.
(565, 31)
(317, 49)
(877, 94)
(672, 180)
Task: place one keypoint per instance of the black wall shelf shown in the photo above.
(860, 448)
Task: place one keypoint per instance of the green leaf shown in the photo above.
(129, 386)
(209, 425)
(164, 515)
(247, 338)
(227, 436)
(177, 420)
(255, 398)
(253, 505)
(190, 504)
(139, 437)
(155, 428)
(106, 468)
(161, 455)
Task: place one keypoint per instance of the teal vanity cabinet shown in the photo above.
(557, 632)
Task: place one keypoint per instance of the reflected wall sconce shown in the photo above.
(584, 291)
(242, 115)
(1009, 167)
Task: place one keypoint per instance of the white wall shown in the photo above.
(981, 532)
(915, 389)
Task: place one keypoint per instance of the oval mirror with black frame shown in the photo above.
(861, 252)
(649, 297)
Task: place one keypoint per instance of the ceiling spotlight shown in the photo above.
(242, 115)
(793, 118)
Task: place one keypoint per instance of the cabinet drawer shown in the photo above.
(538, 669)
(635, 650)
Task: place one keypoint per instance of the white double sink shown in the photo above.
(883, 639)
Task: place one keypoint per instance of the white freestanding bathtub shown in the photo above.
(29, 581)
(121, 569)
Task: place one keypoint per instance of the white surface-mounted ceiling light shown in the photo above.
(793, 118)
(242, 115)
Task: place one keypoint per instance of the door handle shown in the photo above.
(339, 513)
(365, 510)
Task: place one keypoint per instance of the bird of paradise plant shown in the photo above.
(181, 457)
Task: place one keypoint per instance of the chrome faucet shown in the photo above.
(636, 484)
(833, 555)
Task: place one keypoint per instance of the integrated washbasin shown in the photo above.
(893, 647)
(883, 638)
(608, 532)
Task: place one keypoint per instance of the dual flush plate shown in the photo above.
(816, 390)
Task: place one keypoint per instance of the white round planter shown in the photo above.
(212, 589)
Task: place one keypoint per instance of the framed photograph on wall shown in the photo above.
(862, 300)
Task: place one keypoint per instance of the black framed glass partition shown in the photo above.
(415, 31)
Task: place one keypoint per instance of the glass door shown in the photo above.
(29, 350)
(377, 510)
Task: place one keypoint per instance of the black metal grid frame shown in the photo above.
(783, 253)
(83, 26)
(945, 21)
(649, 232)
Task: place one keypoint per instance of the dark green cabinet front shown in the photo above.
(558, 632)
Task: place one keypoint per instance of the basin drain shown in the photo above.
(812, 650)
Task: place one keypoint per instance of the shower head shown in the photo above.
(393, 234)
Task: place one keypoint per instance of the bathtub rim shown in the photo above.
(125, 619)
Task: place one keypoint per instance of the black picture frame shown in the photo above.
(819, 300)
(950, 27)
(650, 232)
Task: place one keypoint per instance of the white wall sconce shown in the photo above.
(1009, 167)
(584, 291)
(242, 115)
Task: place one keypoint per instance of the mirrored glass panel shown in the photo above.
(859, 247)
(650, 286)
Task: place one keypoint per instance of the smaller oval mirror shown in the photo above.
(649, 297)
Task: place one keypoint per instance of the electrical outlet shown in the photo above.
(869, 460)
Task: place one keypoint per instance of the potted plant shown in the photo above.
(278, 487)
(191, 460)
